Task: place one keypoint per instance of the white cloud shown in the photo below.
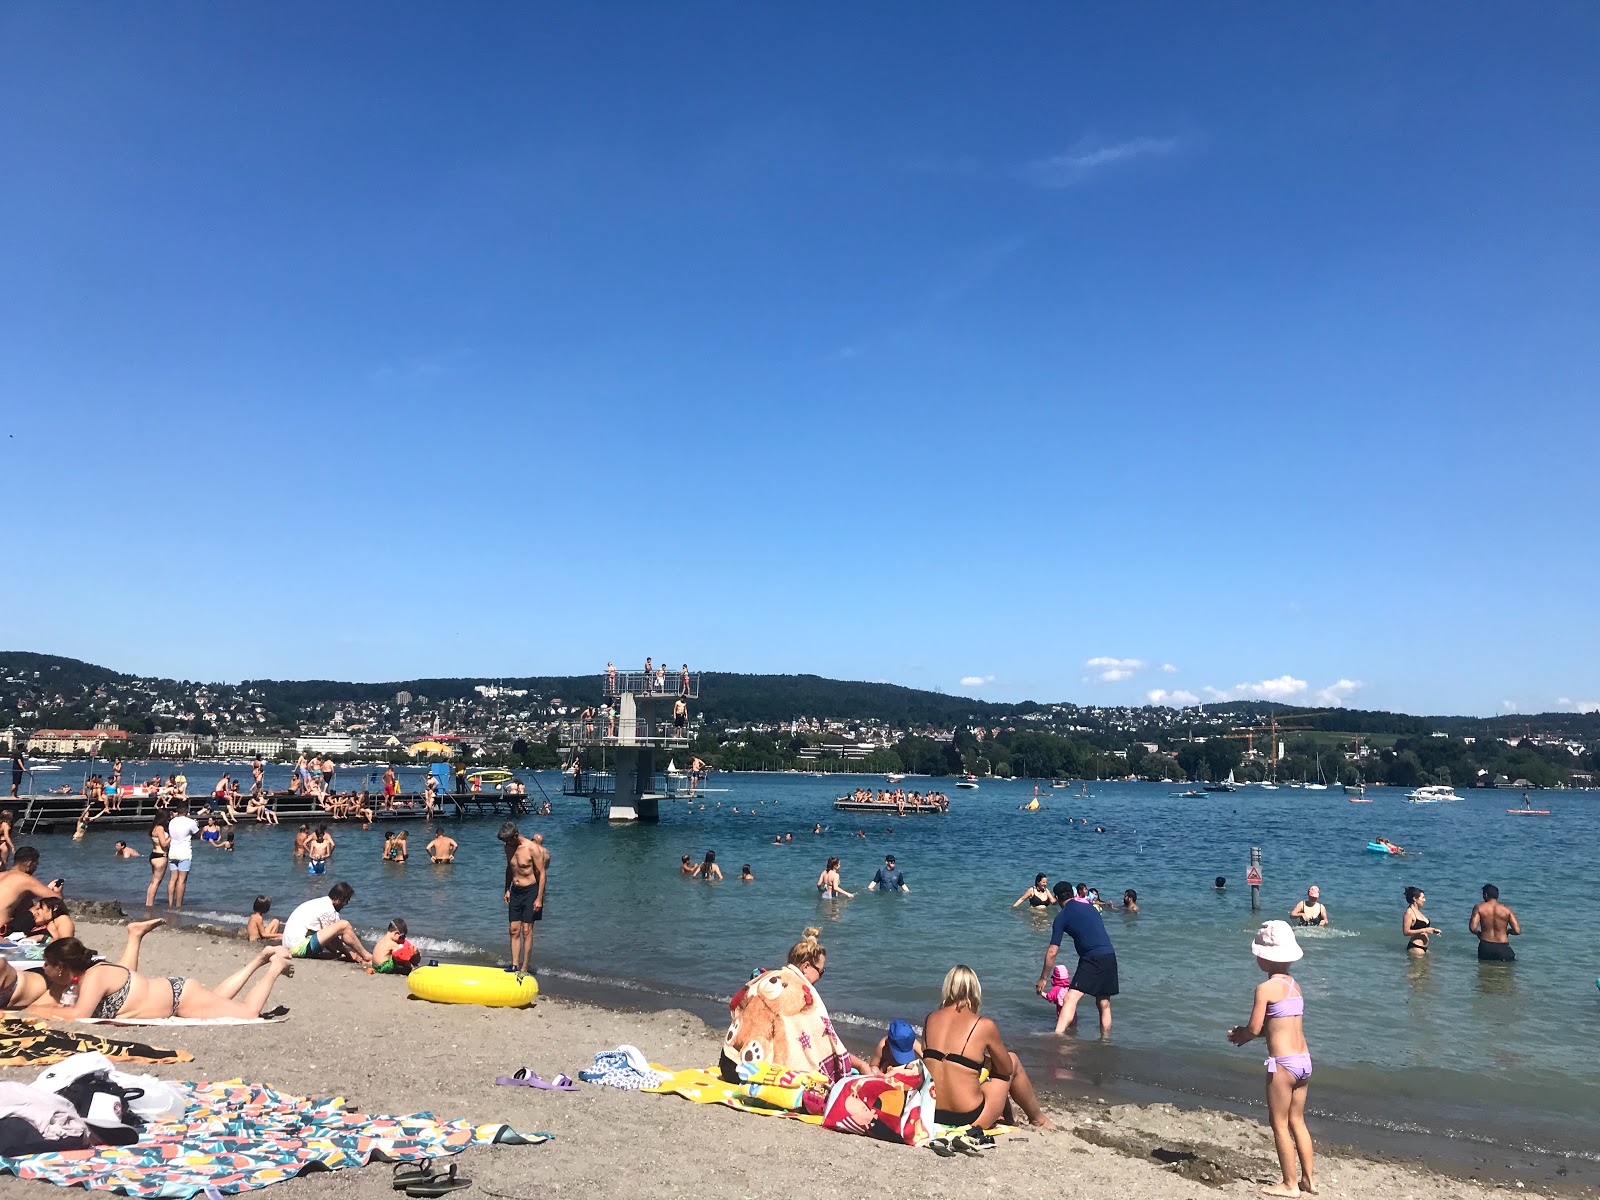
(1280, 688)
(1178, 699)
(1088, 158)
(976, 680)
(1335, 694)
(1583, 706)
(1509, 705)
(1169, 668)
(1114, 670)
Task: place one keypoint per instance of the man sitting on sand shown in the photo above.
(442, 849)
(19, 882)
(316, 930)
(1493, 923)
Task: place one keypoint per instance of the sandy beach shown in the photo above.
(364, 1038)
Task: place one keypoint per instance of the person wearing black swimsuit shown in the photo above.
(958, 1045)
(1417, 928)
(1038, 896)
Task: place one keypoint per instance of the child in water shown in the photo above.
(1277, 1015)
(1060, 985)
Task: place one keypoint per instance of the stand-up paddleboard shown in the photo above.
(1528, 812)
(1360, 800)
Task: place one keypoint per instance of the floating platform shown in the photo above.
(845, 804)
(49, 814)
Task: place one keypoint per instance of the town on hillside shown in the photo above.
(52, 707)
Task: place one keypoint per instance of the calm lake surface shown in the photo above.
(1493, 1054)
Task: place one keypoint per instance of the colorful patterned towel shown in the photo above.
(237, 1136)
(37, 1044)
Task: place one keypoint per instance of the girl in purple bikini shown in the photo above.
(1277, 1015)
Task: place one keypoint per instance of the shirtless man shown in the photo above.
(319, 851)
(258, 774)
(527, 863)
(1492, 922)
(19, 882)
(443, 847)
(430, 795)
(301, 837)
(328, 769)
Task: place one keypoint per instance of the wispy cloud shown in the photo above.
(1177, 699)
(976, 680)
(1281, 688)
(1583, 706)
(1114, 670)
(1169, 669)
(1089, 157)
(1509, 705)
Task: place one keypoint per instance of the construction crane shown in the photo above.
(1272, 729)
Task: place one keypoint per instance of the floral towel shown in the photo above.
(237, 1136)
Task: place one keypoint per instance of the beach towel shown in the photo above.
(779, 1018)
(855, 1104)
(35, 1043)
(625, 1067)
(896, 1107)
(235, 1137)
(262, 1020)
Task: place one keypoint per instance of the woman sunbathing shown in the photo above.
(108, 990)
(18, 989)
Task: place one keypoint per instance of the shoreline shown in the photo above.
(1214, 1138)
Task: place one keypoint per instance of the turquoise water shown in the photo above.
(1400, 1042)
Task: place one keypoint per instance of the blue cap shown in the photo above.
(902, 1042)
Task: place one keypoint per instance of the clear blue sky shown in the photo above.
(921, 342)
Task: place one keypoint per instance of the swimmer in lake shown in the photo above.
(1130, 901)
(1038, 896)
(1222, 882)
(1311, 910)
(828, 882)
(1494, 924)
(1416, 927)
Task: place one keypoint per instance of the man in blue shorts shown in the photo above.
(1096, 974)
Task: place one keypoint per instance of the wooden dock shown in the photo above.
(52, 814)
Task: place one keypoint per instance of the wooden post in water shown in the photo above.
(1253, 878)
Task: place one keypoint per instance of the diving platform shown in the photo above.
(614, 748)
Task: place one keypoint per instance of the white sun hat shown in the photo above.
(1275, 942)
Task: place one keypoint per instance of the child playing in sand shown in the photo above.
(1060, 985)
(393, 955)
(1277, 1015)
(258, 928)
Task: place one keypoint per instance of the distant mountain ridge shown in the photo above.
(735, 698)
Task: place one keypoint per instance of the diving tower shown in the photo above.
(615, 747)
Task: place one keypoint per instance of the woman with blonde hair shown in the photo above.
(960, 1047)
(779, 1017)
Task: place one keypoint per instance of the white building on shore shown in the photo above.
(245, 747)
(174, 745)
(326, 743)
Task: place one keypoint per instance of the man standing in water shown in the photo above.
(1096, 973)
(527, 864)
(182, 830)
(1493, 922)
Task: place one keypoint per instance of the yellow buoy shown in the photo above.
(472, 985)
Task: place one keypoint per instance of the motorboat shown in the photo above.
(894, 778)
(1059, 783)
(969, 782)
(1191, 793)
(1432, 794)
(1227, 785)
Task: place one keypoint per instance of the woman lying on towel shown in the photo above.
(18, 989)
(779, 1018)
(108, 991)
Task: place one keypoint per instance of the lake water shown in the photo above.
(1491, 1054)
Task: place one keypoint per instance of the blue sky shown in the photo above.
(1021, 350)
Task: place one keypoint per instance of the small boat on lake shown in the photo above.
(1432, 794)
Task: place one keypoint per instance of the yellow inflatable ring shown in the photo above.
(472, 985)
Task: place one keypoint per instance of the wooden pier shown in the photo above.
(51, 814)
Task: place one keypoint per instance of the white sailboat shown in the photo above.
(1321, 785)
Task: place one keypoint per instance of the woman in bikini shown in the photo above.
(159, 841)
(106, 990)
(51, 920)
(1277, 1016)
(18, 989)
(959, 1046)
(1417, 928)
(828, 882)
(1038, 896)
(7, 846)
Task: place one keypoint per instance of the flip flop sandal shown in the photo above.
(408, 1173)
(559, 1084)
(439, 1185)
(941, 1146)
(521, 1077)
(962, 1144)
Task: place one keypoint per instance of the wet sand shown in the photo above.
(363, 1038)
